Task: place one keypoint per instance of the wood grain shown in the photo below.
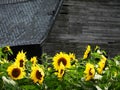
(83, 22)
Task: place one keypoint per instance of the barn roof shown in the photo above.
(25, 22)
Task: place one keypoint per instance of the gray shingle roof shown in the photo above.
(24, 22)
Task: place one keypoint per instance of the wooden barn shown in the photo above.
(83, 22)
(73, 24)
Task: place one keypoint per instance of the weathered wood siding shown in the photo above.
(83, 22)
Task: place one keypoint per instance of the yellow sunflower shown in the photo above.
(73, 59)
(89, 71)
(33, 60)
(61, 71)
(100, 70)
(6, 49)
(61, 57)
(87, 52)
(21, 59)
(103, 58)
(101, 65)
(72, 56)
(15, 72)
(37, 74)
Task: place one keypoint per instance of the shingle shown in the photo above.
(25, 22)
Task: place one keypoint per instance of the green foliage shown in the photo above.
(74, 77)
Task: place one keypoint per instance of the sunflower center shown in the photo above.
(21, 63)
(61, 71)
(71, 58)
(63, 60)
(38, 75)
(90, 72)
(16, 72)
(5, 49)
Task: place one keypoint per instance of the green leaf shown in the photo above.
(30, 87)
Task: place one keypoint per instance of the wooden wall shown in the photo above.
(83, 22)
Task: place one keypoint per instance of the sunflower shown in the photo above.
(37, 74)
(7, 49)
(33, 60)
(87, 52)
(103, 58)
(89, 71)
(72, 56)
(21, 59)
(61, 71)
(61, 57)
(99, 70)
(15, 72)
(101, 65)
